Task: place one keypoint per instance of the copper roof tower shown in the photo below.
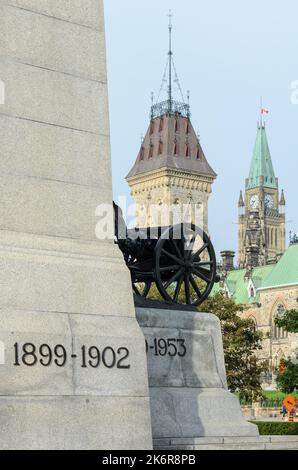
(170, 154)
(171, 141)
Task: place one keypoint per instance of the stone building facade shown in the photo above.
(266, 293)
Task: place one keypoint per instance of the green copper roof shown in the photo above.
(260, 274)
(285, 272)
(261, 164)
(238, 285)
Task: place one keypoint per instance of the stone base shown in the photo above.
(197, 412)
(74, 423)
(55, 305)
(187, 379)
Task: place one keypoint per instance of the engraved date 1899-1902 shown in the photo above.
(93, 357)
(29, 354)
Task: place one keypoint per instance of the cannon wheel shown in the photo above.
(141, 288)
(188, 264)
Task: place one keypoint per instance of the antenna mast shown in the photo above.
(170, 60)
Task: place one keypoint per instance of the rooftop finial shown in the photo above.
(170, 77)
(170, 59)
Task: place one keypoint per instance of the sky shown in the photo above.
(228, 54)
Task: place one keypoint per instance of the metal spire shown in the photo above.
(170, 77)
(170, 59)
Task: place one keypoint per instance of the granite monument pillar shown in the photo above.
(73, 372)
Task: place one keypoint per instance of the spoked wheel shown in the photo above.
(185, 265)
(141, 288)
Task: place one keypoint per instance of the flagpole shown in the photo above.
(261, 104)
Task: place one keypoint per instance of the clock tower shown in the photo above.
(261, 235)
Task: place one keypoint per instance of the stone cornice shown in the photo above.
(170, 177)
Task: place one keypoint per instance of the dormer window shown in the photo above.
(176, 125)
(187, 127)
(151, 151)
(160, 148)
(151, 127)
(188, 153)
(161, 124)
(198, 154)
(175, 149)
(142, 154)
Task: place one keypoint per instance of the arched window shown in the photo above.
(187, 153)
(271, 241)
(198, 154)
(187, 127)
(276, 237)
(175, 149)
(277, 332)
(253, 323)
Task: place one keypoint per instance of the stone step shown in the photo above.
(229, 443)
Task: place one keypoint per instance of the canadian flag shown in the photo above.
(264, 111)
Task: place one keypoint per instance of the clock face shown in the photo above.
(254, 202)
(269, 201)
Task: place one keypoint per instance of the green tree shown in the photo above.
(288, 321)
(240, 341)
(287, 377)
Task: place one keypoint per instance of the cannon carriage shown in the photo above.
(180, 260)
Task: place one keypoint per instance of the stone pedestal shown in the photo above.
(73, 373)
(187, 378)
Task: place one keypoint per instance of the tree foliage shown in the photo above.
(240, 341)
(288, 321)
(287, 378)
